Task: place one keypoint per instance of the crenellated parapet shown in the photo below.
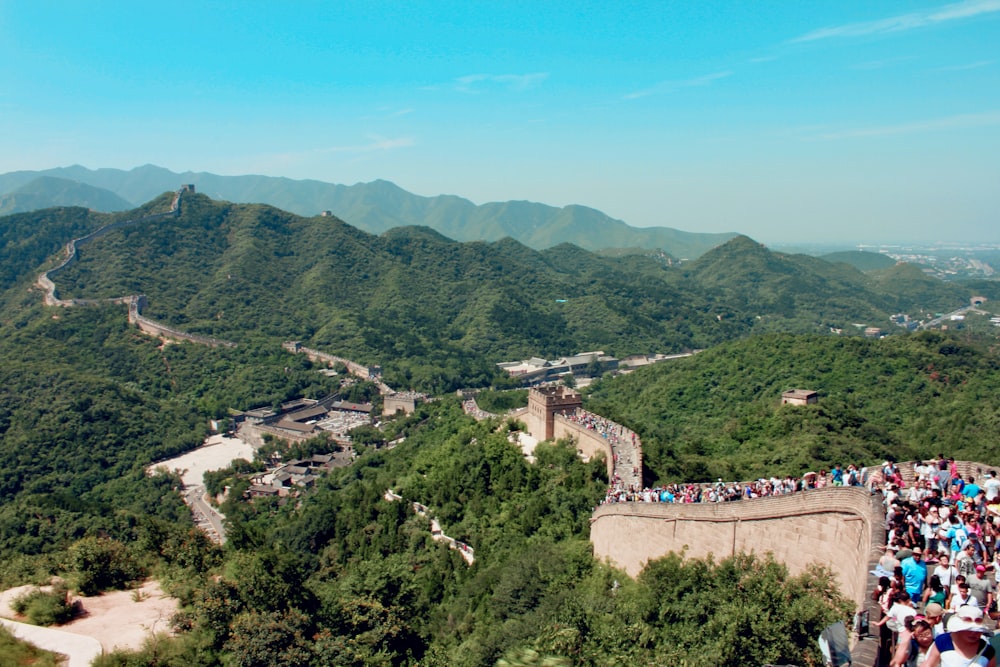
(839, 527)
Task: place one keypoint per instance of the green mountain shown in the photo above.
(380, 205)
(719, 413)
(48, 191)
(340, 575)
(861, 260)
(437, 313)
(918, 293)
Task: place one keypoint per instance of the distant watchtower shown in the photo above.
(800, 397)
(544, 403)
(187, 187)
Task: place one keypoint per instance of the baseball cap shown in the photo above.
(933, 609)
(967, 618)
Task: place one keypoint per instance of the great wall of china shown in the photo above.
(135, 302)
(842, 528)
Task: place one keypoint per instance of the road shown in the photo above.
(204, 513)
(936, 322)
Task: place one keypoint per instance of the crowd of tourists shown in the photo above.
(937, 592)
(471, 408)
(720, 491)
(626, 449)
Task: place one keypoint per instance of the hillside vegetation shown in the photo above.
(861, 260)
(718, 414)
(343, 576)
(437, 314)
(48, 191)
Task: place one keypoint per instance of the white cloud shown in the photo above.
(474, 83)
(882, 64)
(375, 144)
(958, 68)
(959, 121)
(929, 17)
(665, 87)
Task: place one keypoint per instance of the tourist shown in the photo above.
(915, 574)
(965, 562)
(901, 609)
(963, 645)
(992, 487)
(935, 592)
(946, 573)
(934, 615)
(888, 561)
(914, 644)
(963, 598)
(980, 588)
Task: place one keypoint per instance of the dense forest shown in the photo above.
(87, 402)
(718, 414)
(437, 314)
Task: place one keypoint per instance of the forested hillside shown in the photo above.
(718, 414)
(48, 191)
(380, 205)
(346, 577)
(437, 314)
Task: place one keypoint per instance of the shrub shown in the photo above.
(103, 564)
(45, 607)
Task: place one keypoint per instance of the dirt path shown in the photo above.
(114, 619)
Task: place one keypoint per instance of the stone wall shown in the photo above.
(154, 328)
(837, 527)
(588, 443)
(135, 302)
(354, 368)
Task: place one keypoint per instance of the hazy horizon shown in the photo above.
(851, 123)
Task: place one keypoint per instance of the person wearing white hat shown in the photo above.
(963, 645)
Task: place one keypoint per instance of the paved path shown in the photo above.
(204, 513)
(80, 650)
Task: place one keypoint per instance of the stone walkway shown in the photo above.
(467, 552)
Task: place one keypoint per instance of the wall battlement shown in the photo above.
(841, 528)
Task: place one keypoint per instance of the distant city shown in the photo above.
(944, 260)
(947, 261)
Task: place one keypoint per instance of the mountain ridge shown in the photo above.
(50, 191)
(240, 271)
(380, 205)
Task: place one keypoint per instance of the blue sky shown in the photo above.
(787, 121)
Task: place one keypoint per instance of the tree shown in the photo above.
(270, 639)
(101, 564)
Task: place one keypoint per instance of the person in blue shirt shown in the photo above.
(837, 475)
(971, 490)
(915, 574)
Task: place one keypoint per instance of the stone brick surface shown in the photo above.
(837, 527)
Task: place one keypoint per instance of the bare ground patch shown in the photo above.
(116, 619)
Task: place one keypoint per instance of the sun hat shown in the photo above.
(967, 618)
(933, 609)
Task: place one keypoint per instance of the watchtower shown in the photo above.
(800, 397)
(544, 403)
